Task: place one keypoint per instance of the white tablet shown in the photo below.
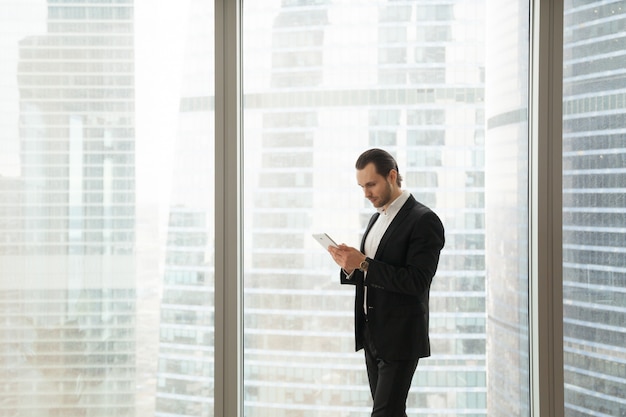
(324, 240)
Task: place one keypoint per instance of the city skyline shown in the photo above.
(107, 211)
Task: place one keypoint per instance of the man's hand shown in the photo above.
(347, 257)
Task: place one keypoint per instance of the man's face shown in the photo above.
(377, 189)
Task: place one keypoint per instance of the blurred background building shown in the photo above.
(68, 219)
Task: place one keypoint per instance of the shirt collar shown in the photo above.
(395, 205)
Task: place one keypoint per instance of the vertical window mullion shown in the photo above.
(546, 286)
(228, 318)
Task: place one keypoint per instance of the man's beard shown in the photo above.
(385, 198)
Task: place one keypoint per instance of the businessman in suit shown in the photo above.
(392, 273)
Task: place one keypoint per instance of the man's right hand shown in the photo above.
(347, 257)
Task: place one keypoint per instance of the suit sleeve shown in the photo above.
(357, 275)
(352, 278)
(425, 242)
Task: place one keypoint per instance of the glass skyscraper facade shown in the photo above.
(186, 333)
(323, 81)
(506, 204)
(68, 275)
(594, 208)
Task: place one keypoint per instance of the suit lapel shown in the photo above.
(397, 221)
(367, 230)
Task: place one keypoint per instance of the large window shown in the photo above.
(114, 236)
(323, 81)
(106, 208)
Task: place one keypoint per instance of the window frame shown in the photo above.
(545, 200)
(228, 359)
(545, 209)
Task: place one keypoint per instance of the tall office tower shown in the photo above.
(334, 79)
(185, 375)
(283, 366)
(506, 202)
(594, 207)
(430, 56)
(68, 281)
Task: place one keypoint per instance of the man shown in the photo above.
(392, 273)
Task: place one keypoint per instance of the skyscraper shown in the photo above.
(506, 205)
(594, 203)
(68, 276)
(185, 375)
(330, 80)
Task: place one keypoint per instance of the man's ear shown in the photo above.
(392, 176)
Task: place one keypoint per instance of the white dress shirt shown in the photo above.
(378, 229)
(382, 223)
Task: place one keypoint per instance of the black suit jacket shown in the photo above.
(398, 280)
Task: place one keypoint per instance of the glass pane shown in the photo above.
(594, 208)
(326, 80)
(106, 208)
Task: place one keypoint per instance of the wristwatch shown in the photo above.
(364, 265)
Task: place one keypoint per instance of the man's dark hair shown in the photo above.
(382, 160)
